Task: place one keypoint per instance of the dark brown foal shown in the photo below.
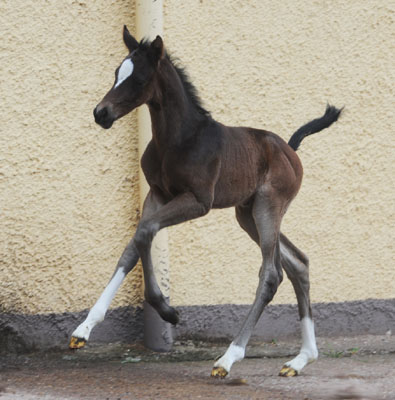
(194, 164)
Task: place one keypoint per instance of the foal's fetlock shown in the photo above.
(223, 365)
(166, 312)
(79, 337)
(293, 367)
(170, 314)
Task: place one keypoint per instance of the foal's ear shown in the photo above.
(130, 42)
(156, 50)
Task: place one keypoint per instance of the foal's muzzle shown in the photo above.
(103, 117)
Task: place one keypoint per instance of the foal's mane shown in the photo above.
(189, 88)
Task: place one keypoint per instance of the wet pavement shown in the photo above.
(360, 367)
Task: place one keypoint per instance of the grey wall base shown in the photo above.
(19, 332)
(281, 321)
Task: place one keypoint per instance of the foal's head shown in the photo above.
(134, 80)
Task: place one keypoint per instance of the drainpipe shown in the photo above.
(157, 333)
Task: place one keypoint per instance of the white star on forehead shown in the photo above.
(125, 70)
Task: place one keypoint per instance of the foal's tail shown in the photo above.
(331, 115)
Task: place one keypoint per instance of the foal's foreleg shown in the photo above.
(182, 208)
(126, 263)
(295, 264)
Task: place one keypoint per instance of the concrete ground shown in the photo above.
(360, 367)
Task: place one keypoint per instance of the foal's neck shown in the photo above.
(174, 117)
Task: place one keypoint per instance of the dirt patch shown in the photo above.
(350, 368)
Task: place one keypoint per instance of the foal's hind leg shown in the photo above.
(267, 214)
(182, 208)
(295, 264)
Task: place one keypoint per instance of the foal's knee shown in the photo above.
(146, 231)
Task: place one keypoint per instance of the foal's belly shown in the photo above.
(223, 201)
(235, 187)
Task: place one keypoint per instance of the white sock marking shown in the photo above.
(98, 311)
(308, 352)
(125, 70)
(233, 354)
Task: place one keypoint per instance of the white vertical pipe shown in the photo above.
(157, 333)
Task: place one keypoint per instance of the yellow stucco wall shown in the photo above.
(69, 190)
(275, 65)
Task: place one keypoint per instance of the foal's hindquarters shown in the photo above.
(261, 218)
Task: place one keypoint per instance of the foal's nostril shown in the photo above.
(103, 113)
(100, 115)
(103, 117)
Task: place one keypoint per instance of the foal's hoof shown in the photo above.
(169, 314)
(173, 316)
(76, 343)
(219, 372)
(288, 372)
(166, 312)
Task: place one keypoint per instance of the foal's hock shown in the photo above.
(193, 164)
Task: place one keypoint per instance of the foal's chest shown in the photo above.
(154, 168)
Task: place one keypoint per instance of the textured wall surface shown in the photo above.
(69, 189)
(275, 65)
(69, 192)
(349, 318)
